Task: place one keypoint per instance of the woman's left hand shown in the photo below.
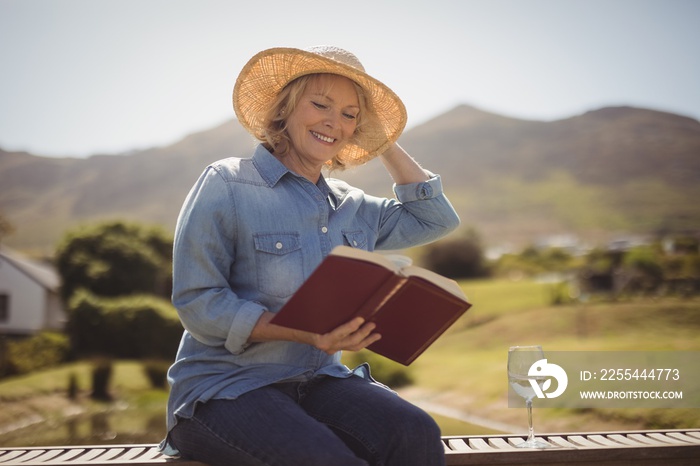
(351, 336)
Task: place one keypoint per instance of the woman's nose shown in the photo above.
(331, 120)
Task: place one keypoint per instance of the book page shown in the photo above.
(361, 254)
(445, 283)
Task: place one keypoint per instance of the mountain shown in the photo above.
(608, 171)
(616, 170)
(42, 196)
(599, 147)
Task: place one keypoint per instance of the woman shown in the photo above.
(245, 391)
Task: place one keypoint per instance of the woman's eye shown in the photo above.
(319, 106)
(349, 116)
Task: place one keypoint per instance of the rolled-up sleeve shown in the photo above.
(203, 255)
(421, 213)
(419, 191)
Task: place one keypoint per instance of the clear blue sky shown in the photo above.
(79, 77)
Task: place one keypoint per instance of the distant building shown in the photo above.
(29, 296)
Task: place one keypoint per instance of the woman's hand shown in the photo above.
(351, 336)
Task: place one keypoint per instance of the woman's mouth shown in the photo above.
(321, 137)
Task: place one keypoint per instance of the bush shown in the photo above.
(139, 326)
(115, 259)
(43, 350)
(101, 377)
(645, 263)
(457, 257)
(73, 388)
(157, 372)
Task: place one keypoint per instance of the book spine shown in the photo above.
(383, 294)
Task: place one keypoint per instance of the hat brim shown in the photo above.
(266, 74)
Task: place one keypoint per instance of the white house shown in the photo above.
(29, 300)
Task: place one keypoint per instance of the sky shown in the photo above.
(81, 77)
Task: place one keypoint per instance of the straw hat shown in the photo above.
(264, 76)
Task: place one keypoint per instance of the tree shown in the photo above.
(115, 259)
(535, 260)
(645, 264)
(457, 257)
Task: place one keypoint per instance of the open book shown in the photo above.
(410, 305)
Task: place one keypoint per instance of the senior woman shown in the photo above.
(248, 392)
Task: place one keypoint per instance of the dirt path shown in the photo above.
(497, 416)
(19, 414)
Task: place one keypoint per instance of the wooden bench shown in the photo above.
(659, 447)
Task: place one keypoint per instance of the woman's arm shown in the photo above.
(401, 166)
(420, 213)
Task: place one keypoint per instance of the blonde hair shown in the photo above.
(273, 133)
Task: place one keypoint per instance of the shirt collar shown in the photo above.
(272, 171)
(327, 191)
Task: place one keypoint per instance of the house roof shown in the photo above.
(43, 274)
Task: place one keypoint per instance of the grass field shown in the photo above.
(467, 366)
(465, 369)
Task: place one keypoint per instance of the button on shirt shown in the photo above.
(248, 235)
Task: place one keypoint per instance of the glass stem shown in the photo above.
(530, 429)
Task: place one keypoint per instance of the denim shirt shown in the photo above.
(249, 233)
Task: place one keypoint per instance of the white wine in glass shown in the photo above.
(520, 359)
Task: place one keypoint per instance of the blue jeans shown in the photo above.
(326, 421)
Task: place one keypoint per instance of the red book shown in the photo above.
(411, 306)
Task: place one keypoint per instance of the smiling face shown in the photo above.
(322, 122)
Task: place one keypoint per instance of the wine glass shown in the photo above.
(520, 359)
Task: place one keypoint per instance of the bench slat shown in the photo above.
(67, 455)
(91, 454)
(684, 437)
(110, 454)
(132, 453)
(151, 453)
(458, 444)
(515, 440)
(603, 440)
(501, 444)
(480, 444)
(665, 438)
(561, 442)
(48, 456)
(644, 439)
(11, 455)
(580, 440)
(31, 454)
(623, 440)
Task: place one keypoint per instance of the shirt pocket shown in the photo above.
(355, 239)
(279, 263)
